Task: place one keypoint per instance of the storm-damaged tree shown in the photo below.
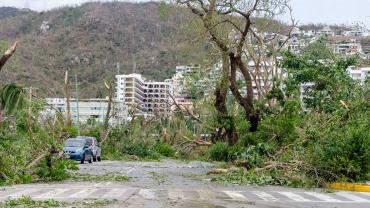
(11, 95)
(230, 25)
(5, 57)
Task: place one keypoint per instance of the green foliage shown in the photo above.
(100, 178)
(219, 152)
(164, 149)
(242, 176)
(26, 201)
(340, 151)
(319, 66)
(58, 170)
(11, 98)
(28, 148)
(163, 11)
(139, 149)
(254, 156)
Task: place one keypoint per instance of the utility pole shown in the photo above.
(78, 110)
(30, 91)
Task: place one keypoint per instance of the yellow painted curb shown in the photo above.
(350, 187)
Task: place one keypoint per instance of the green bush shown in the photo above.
(254, 156)
(139, 149)
(53, 168)
(164, 149)
(339, 144)
(219, 152)
(342, 155)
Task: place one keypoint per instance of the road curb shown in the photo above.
(350, 187)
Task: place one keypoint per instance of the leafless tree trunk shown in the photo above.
(220, 105)
(68, 99)
(5, 57)
(109, 87)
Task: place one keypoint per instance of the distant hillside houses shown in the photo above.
(344, 41)
(329, 31)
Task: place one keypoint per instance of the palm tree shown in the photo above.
(12, 98)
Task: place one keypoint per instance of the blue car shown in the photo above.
(78, 149)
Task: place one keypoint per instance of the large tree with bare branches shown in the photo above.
(232, 26)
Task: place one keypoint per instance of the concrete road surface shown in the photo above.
(179, 184)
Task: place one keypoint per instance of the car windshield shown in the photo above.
(74, 143)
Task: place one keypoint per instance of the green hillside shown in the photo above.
(90, 39)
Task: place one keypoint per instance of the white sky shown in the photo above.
(305, 11)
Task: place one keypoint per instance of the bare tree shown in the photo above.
(229, 24)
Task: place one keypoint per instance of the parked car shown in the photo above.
(78, 149)
(93, 143)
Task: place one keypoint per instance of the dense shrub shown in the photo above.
(164, 149)
(139, 149)
(341, 151)
(219, 152)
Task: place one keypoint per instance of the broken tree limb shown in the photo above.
(37, 160)
(187, 112)
(280, 165)
(8, 54)
(105, 135)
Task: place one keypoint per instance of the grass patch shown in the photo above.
(241, 176)
(160, 178)
(100, 178)
(26, 201)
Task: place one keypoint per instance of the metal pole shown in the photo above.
(78, 110)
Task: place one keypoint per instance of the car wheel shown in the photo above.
(91, 159)
(99, 158)
(83, 159)
(94, 158)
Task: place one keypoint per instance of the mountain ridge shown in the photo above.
(90, 39)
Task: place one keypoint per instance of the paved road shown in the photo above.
(178, 184)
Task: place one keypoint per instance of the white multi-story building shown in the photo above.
(144, 97)
(87, 109)
(349, 47)
(359, 74)
(157, 97)
(353, 33)
(187, 68)
(326, 31)
(130, 89)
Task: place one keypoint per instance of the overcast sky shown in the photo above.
(306, 11)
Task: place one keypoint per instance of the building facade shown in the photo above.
(87, 110)
(157, 97)
(130, 90)
(144, 97)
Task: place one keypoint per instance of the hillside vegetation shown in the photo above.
(90, 39)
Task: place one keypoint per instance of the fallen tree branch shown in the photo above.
(278, 165)
(105, 135)
(185, 110)
(35, 161)
(8, 54)
(4, 176)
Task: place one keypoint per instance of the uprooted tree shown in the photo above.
(232, 27)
